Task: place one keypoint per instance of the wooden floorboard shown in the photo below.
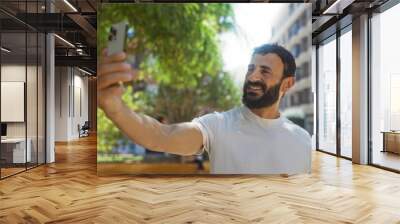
(69, 191)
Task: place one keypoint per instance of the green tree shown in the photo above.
(179, 50)
(217, 92)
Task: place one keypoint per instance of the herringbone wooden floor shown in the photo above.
(69, 191)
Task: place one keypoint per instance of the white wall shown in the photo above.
(81, 100)
(13, 73)
(61, 104)
(71, 87)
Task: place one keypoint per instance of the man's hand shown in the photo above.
(112, 71)
(182, 139)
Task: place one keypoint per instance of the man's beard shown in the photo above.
(269, 96)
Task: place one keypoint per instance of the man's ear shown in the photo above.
(287, 83)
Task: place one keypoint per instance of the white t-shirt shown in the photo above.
(240, 142)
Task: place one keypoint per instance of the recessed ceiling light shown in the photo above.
(64, 40)
(86, 72)
(70, 5)
(5, 49)
(338, 6)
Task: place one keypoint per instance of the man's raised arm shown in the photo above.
(182, 138)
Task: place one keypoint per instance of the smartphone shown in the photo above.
(117, 38)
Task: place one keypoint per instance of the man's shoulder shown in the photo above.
(220, 115)
(232, 112)
(297, 135)
(218, 119)
(296, 129)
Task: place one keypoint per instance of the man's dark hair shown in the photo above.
(287, 58)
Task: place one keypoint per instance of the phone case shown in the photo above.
(117, 38)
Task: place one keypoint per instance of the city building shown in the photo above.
(292, 30)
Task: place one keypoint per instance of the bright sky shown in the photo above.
(254, 24)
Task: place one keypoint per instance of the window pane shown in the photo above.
(327, 96)
(385, 86)
(346, 94)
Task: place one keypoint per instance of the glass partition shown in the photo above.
(14, 153)
(22, 89)
(327, 96)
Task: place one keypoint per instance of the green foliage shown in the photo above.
(178, 41)
(104, 158)
(211, 93)
(108, 133)
(179, 50)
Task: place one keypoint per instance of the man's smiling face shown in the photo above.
(263, 81)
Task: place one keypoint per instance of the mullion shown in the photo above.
(37, 90)
(317, 96)
(45, 86)
(0, 96)
(26, 87)
(369, 100)
(338, 95)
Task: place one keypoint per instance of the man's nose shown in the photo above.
(254, 76)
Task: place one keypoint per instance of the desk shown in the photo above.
(391, 141)
(16, 147)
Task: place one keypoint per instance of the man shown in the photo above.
(251, 139)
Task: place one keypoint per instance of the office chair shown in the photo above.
(84, 130)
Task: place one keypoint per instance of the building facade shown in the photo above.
(292, 30)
